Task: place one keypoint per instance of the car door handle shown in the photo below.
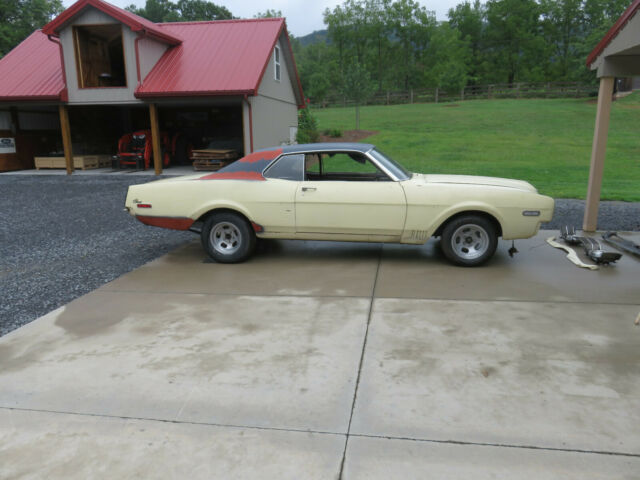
(308, 189)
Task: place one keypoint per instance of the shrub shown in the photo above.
(332, 132)
(307, 127)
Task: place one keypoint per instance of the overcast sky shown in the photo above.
(303, 17)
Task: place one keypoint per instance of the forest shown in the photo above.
(382, 45)
(399, 45)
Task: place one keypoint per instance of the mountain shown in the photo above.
(317, 36)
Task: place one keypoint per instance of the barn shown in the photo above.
(96, 72)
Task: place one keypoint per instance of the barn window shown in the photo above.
(99, 56)
(276, 63)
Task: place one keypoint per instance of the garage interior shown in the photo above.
(95, 131)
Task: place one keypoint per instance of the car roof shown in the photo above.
(327, 147)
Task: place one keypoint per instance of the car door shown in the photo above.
(274, 200)
(345, 193)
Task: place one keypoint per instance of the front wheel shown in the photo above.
(469, 241)
(228, 238)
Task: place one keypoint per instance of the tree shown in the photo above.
(563, 27)
(199, 10)
(337, 26)
(317, 66)
(412, 25)
(445, 60)
(269, 13)
(469, 21)
(157, 11)
(513, 37)
(378, 32)
(183, 11)
(19, 18)
(357, 87)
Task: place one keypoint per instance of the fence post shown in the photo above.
(489, 92)
(411, 96)
(387, 97)
(436, 97)
(518, 90)
(462, 94)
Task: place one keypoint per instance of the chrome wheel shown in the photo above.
(470, 241)
(225, 238)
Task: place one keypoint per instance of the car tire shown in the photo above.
(469, 240)
(228, 238)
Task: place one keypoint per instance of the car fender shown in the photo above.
(419, 229)
(219, 205)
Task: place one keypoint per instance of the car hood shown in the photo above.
(474, 180)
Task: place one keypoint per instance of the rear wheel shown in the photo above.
(469, 240)
(228, 238)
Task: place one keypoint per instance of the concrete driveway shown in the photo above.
(324, 360)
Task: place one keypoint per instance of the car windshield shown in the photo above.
(395, 168)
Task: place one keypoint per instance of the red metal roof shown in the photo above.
(613, 31)
(134, 22)
(225, 57)
(32, 70)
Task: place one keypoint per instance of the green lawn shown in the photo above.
(546, 142)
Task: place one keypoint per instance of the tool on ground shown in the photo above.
(612, 238)
(571, 254)
(591, 246)
(513, 250)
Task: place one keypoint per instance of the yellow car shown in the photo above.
(340, 191)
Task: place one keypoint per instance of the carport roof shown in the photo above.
(614, 31)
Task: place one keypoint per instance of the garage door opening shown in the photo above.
(211, 127)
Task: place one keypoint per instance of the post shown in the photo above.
(411, 95)
(66, 137)
(462, 94)
(436, 96)
(155, 138)
(598, 151)
(15, 121)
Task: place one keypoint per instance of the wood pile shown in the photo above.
(212, 159)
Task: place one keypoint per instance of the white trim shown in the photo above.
(277, 64)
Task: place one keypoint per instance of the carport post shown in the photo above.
(66, 137)
(155, 137)
(598, 151)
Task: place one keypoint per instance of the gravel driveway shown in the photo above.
(61, 237)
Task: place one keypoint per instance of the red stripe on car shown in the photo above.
(174, 223)
(257, 156)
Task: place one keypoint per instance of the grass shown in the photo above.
(546, 142)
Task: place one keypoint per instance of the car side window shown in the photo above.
(288, 167)
(342, 166)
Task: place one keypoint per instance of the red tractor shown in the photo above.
(136, 149)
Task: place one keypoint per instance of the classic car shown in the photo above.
(340, 191)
